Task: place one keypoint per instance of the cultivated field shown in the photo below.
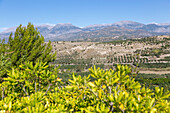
(151, 50)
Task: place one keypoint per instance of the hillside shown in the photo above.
(115, 48)
(146, 50)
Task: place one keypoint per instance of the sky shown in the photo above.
(82, 12)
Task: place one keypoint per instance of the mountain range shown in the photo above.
(69, 32)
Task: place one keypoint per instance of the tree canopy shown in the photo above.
(28, 45)
(25, 45)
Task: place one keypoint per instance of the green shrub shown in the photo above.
(112, 91)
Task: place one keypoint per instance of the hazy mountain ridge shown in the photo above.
(67, 31)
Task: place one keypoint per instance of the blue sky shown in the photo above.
(82, 12)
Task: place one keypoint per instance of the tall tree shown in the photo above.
(29, 45)
(4, 59)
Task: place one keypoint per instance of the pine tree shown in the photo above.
(29, 45)
(4, 59)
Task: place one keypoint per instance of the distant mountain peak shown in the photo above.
(163, 24)
(68, 31)
(45, 25)
(9, 30)
(64, 24)
(126, 22)
(97, 25)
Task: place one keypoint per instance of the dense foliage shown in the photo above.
(26, 45)
(33, 88)
(5, 63)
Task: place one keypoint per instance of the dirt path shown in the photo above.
(155, 72)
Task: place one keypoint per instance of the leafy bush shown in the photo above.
(112, 91)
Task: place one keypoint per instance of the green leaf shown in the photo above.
(91, 84)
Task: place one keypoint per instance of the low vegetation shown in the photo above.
(35, 89)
